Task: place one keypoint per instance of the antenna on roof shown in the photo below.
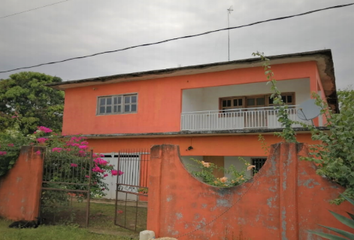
(229, 10)
(308, 110)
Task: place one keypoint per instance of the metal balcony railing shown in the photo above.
(239, 118)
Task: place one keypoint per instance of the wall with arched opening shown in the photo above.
(284, 200)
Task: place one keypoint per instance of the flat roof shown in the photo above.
(323, 58)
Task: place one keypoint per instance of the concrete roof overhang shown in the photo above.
(323, 59)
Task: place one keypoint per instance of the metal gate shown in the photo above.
(65, 196)
(132, 189)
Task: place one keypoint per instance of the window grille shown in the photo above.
(258, 162)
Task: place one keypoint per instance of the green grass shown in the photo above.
(58, 232)
(102, 216)
(101, 225)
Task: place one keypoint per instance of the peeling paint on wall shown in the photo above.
(310, 183)
(179, 216)
(283, 225)
(223, 203)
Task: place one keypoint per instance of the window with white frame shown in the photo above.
(117, 104)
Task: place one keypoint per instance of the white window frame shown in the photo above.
(125, 105)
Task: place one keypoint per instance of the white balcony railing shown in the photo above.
(240, 118)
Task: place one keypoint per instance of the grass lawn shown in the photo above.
(101, 226)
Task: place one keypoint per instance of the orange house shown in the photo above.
(213, 111)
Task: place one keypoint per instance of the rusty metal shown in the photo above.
(62, 183)
(131, 189)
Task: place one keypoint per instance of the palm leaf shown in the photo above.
(344, 220)
(328, 236)
(341, 232)
(348, 199)
(351, 215)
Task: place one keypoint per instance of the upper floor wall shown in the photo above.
(159, 101)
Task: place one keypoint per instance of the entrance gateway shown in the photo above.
(130, 189)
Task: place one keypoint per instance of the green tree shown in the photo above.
(27, 102)
(334, 154)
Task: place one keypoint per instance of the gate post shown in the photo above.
(20, 190)
(154, 186)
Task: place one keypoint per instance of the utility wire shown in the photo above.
(32, 9)
(178, 38)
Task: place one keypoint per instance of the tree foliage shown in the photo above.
(24, 96)
(334, 154)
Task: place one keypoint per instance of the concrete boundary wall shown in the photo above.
(20, 189)
(284, 200)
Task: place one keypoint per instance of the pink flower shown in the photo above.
(105, 175)
(2, 153)
(56, 149)
(38, 152)
(45, 129)
(10, 144)
(100, 161)
(73, 165)
(87, 176)
(82, 153)
(14, 117)
(115, 172)
(97, 169)
(42, 140)
(83, 146)
(84, 143)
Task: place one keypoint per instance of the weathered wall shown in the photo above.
(20, 189)
(284, 200)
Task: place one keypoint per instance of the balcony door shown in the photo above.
(255, 116)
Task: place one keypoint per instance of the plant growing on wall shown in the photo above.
(334, 153)
(205, 172)
(288, 133)
(11, 141)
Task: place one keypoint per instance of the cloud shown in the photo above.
(77, 27)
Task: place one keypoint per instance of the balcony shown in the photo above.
(239, 118)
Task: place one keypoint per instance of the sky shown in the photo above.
(75, 28)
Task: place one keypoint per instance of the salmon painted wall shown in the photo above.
(159, 100)
(20, 188)
(238, 145)
(282, 202)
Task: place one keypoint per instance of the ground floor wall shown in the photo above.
(225, 145)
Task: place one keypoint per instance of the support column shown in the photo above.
(288, 191)
(154, 185)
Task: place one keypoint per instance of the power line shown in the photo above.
(32, 9)
(178, 38)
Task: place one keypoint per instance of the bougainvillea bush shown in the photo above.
(67, 159)
(11, 142)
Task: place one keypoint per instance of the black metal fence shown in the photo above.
(65, 196)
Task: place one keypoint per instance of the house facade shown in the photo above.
(213, 111)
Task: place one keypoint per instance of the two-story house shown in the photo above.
(212, 111)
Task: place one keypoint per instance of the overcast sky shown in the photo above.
(81, 27)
